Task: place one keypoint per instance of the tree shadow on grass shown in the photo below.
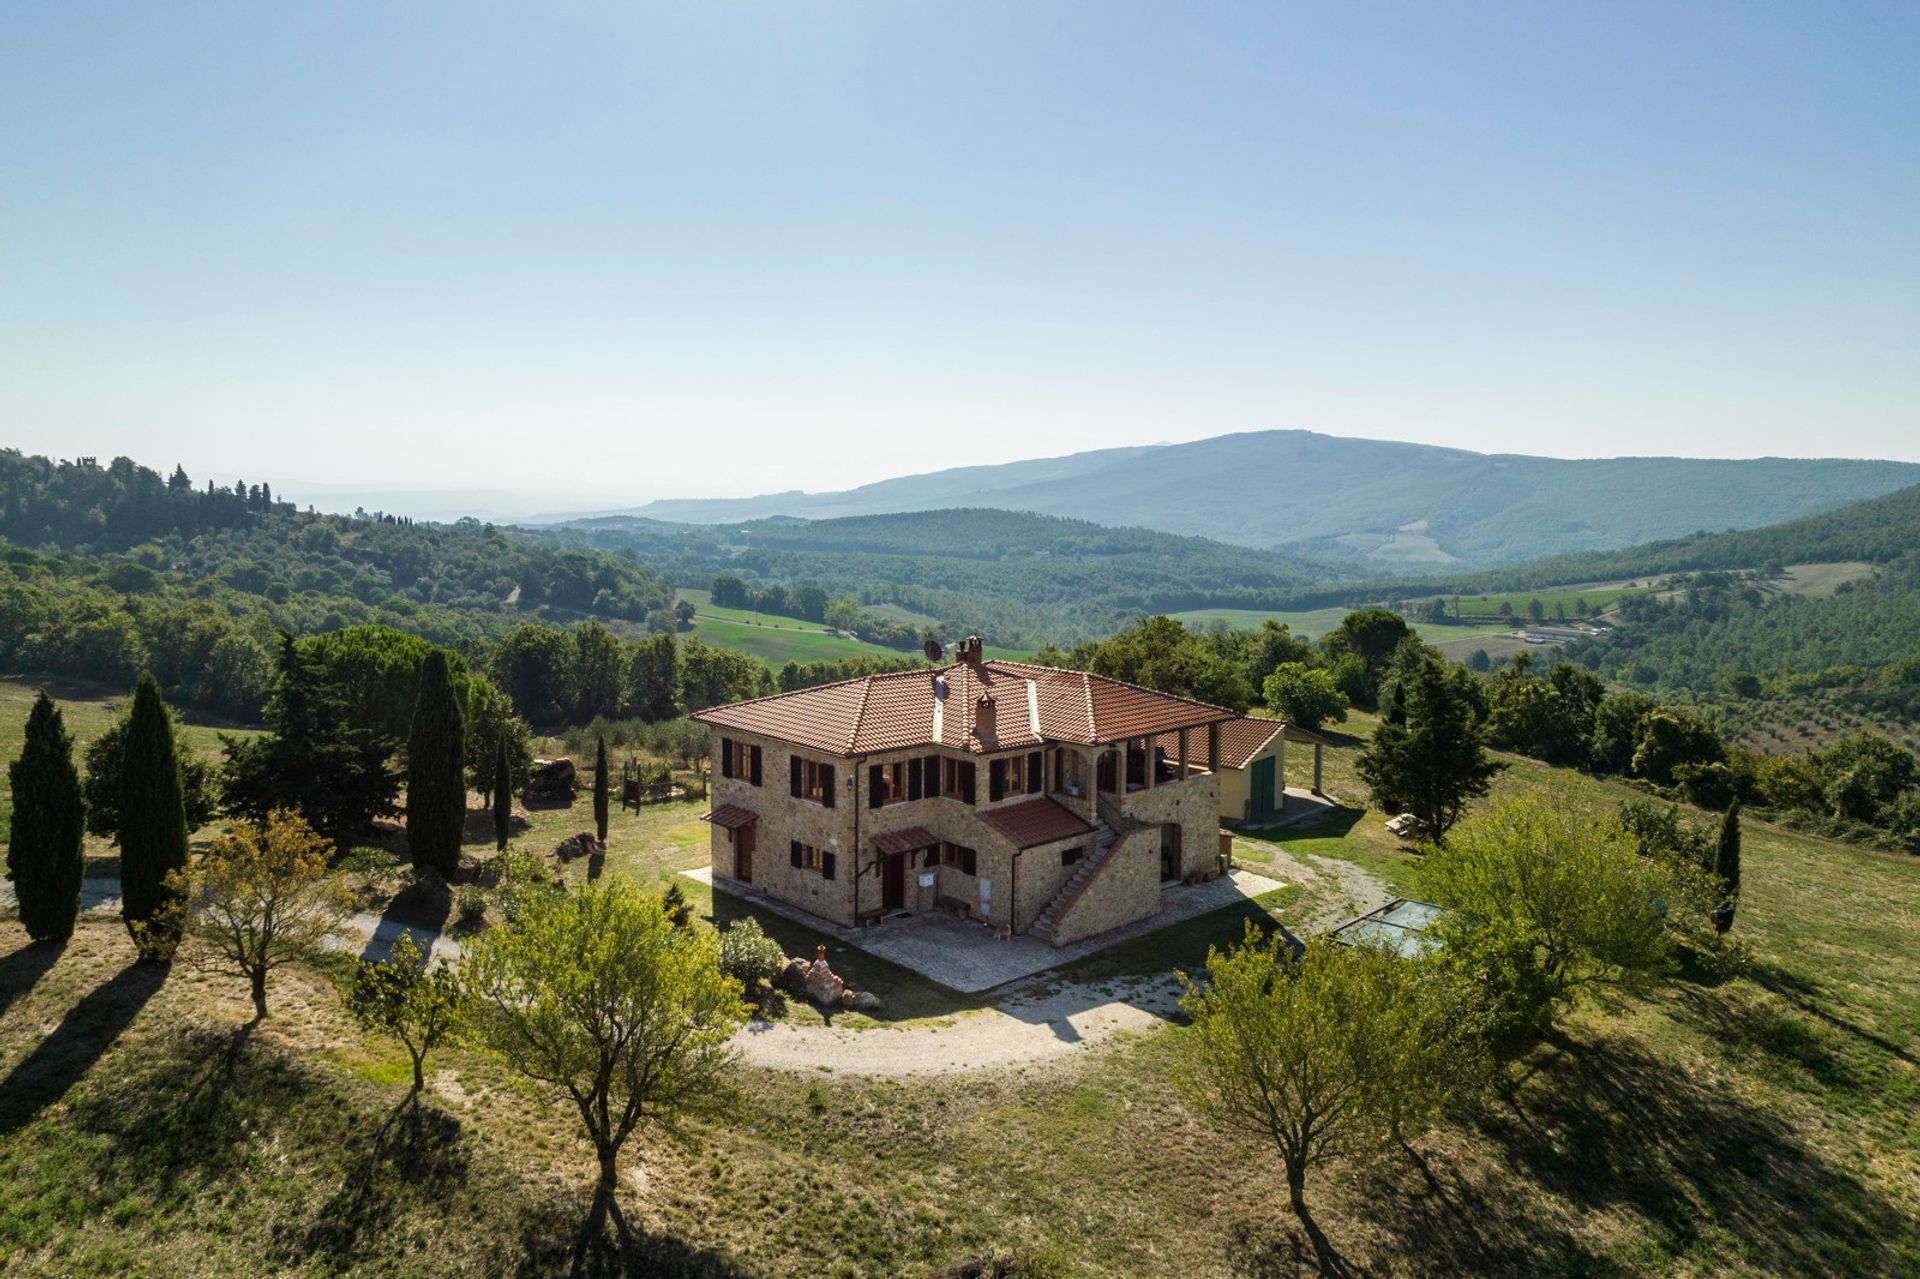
(83, 1036)
(22, 969)
(1808, 998)
(177, 1117)
(1608, 1126)
(1298, 1248)
(603, 1243)
(418, 1153)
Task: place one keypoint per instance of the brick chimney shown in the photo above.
(971, 650)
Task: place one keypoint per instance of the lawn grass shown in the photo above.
(88, 710)
(1763, 1125)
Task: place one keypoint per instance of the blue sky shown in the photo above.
(608, 251)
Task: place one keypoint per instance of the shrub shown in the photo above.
(367, 859)
(469, 904)
(748, 955)
(516, 877)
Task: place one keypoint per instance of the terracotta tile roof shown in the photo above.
(1028, 705)
(905, 841)
(1037, 821)
(1307, 736)
(732, 816)
(1241, 738)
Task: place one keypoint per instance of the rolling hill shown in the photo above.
(1375, 505)
(1017, 578)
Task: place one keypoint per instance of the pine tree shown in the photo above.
(48, 826)
(317, 761)
(153, 821)
(436, 772)
(1428, 757)
(502, 795)
(600, 791)
(1726, 864)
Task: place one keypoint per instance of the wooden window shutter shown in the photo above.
(826, 785)
(996, 780)
(826, 865)
(794, 777)
(794, 850)
(966, 781)
(913, 778)
(1035, 764)
(875, 787)
(754, 753)
(968, 861)
(726, 757)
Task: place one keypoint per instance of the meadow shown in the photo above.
(777, 640)
(1764, 1125)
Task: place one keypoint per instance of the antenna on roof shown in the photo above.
(933, 650)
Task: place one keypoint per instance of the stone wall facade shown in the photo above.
(1192, 804)
(1009, 888)
(1126, 889)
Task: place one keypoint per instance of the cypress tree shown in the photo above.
(1726, 864)
(153, 817)
(436, 770)
(600, 791)
(48, 826)
(502, 794)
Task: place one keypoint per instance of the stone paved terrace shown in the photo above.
(962, 954)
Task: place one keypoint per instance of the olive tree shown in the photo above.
(423, 1007)
(1569, 881)
(260, 897)
(596, 993)
(1324, 1054)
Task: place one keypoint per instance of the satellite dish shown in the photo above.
(933, 650)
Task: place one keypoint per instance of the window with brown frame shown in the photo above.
(887, 783)
(958, 780)
(960, 857)
(807, 857)
(811, 779)
(740, 761)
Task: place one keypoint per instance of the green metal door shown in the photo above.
(1262, 798)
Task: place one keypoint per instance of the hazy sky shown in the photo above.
(618, 251)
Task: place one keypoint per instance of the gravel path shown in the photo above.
(1036, 1021)
(1040, 1020)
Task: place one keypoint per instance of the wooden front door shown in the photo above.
(893, 882)
(743, 854)
(1261, 799)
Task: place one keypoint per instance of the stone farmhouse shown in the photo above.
(1033, 800)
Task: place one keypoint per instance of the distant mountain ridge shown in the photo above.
(1372, 504)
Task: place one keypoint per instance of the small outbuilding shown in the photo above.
(1253, 766)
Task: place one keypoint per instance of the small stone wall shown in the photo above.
(1126, 889)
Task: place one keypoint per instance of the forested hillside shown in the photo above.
(115, 569)
(1377, 505)
(1876, 531)
(1019, 579)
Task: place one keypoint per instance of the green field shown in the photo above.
(1595, 597)
(1317, 622)
(777, 640)
(88, 710)
(1818, 579)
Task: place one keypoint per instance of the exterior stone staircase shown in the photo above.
(1105, 837)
